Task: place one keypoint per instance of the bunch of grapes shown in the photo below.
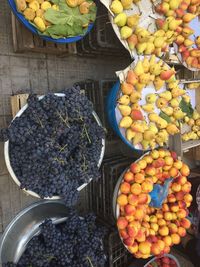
(55, 145)
(78, 242)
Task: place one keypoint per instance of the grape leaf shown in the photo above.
(186, 107)
(165, 117)
(56, 2)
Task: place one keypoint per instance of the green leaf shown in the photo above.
(55, 17)
(58, 31)
(186, 107)
(56, 2)
(165, 117)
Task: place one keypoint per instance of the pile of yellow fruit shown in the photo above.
(140, 38)
(194, 123)
(150, 71)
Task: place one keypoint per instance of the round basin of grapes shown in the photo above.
(17, 179)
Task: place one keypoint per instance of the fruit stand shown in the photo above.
(99, 133)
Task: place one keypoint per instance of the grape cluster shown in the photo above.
(55, 145)
(78, 242)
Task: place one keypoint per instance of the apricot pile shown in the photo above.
(144, 229)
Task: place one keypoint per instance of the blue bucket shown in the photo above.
(33, 29)
(111, 104)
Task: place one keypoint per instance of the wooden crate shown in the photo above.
(17, 102)
(25, 41)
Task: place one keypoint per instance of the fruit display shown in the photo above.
(56, 145)
(147, 228)
(58, 19)
(77, 242)
(151, 103)
(193, 85)
(192, 131)
(164, 261)
(184, 14)
(139, 27)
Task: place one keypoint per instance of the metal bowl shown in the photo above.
(26, 225)
(11, 171)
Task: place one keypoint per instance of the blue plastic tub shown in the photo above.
(33, 29)
(111, 104)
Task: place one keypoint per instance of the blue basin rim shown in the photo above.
(33, 29)
(111, 103)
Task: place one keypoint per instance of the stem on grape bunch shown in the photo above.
(63, 120)
(85, 129)
(38, 120)
(90, 262)
(63, 148)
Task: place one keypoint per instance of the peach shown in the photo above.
(145, 247)
(174, 207)
(150, 170)
(135, 168)
(171, 198)
(149, 199)
(123, 233)
(138, 255)
(167, 240)
(154, 179)
(134, 248)
(161, 244)
(165, 207)
(188, 198)
(179, 195)
(174, 155)
(176, 187)
(146, 218)
(154, 154)
(185, 223)
(173, 172)
(135, 224)
(122, 200)
(129, 209)
(146, 225)
(136, 189)
(169, 160)
(153, 219)
(161, 222)
(178, 164)
(129, 218)
(152, 238)
(181, 213)
(167, 168)
(139, 177)
(186, 188)
(147, 187)
(122, 223)
(166, 250)
(182, 204)
(177, 223)
(129, 241)
(173, 228)
(162, 153)
(155, 249)
(163, 230)
(139, 213)
(168, 216)
(142, 163)
(175, 239)
(181, 231)
(152, 232)
(159, 214)
(140, 236)
(125, 188)
(132, 231)
(129, 177)
(165, 175)
(185, 171)
(148, 159)
(143, 198)
(174, 216)
(133, 199)
(160, 162)
(154, 226)
(181, 180)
